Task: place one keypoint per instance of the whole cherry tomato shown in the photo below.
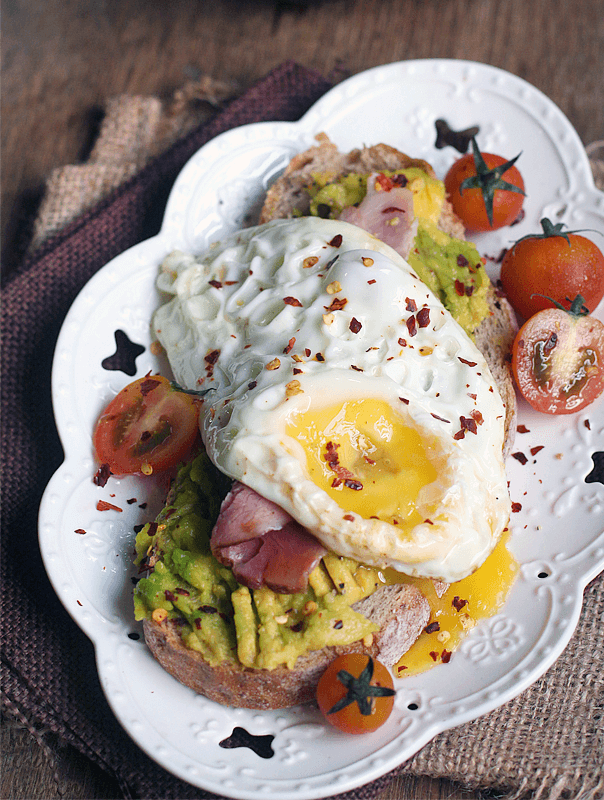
(148, 427)
(485, 190)
(552, 264)
(558, 359)
(355, 693)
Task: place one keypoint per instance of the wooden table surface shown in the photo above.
(61, 59)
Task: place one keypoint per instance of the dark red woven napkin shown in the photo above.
(48, 669)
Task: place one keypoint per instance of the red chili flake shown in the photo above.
(516, 507)
(477, 416)
(468, 363)
(205, 609)
(336, 241)
(411, 305)
(104, 506)
(357, 369)
(385, 182)
(434, 655)
(520, 457)
(411, 326)
(307, 353)
(81, 531)
(252, 385)
(292, 301)
(297, 627)
(297, 371)
(211, 358)
(289, 345)
(442, 419)
(132, 500)
(468, 424)
(458, 603)
(349, 517)
(355, 325)
(198, 623)
(215, 284)
(587, 424)
(338, 624)
(102, 476)
(433, 627)
(400, 180)
(535, 450)
(462, 261)
(337, 304)
(404, 400)
(469, 291)
(320, 357)
(148, 385)
(445, 656)
(461, 434)
(460, 288)
(342, 474)
(78, 602)
(423, 317)
(169, 595)
(428, 522)
(401, 668)
(402, 342)
(143, 505)
(472, 395)
(371, 281)
(182, 592)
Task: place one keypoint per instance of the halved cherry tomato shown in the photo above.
(355, 693)
(553, 264)
(148, 427)
(485, 190)
(558, 359)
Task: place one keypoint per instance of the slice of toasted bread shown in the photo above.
(400, 610)
(288, 197)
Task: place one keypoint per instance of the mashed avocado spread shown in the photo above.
(223, 620)
(450, 267)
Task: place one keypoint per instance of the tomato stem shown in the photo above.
(360, 690)
(577, 306)
(550, 230)
(195, 392)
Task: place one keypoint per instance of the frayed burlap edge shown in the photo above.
(134, 130)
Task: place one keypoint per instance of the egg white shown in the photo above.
(230, 326)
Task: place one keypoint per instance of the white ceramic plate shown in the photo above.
(557, 536)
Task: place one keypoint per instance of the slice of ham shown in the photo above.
(263, 544)
(386, 212)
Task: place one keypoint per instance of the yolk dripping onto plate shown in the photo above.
(453, 615)
(366, 458)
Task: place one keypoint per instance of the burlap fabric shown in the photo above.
(548, 743)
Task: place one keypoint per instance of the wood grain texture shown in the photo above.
(61, 59)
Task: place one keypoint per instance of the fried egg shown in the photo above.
(342, 390)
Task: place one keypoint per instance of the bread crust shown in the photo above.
(400, 609)
(288, 198)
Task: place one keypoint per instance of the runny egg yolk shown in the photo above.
(453, 615)
(366, 458)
